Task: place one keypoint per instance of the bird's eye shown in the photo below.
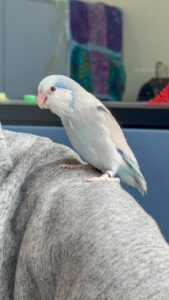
(53, 89)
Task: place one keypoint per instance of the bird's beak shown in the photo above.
(41, 100)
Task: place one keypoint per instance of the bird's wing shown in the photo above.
(101, 115)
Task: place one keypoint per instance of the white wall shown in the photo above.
(146, 40)
(29, 46)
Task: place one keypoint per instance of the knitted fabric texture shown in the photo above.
(96, 48)
(62, 238)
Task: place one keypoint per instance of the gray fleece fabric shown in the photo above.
(65, 239)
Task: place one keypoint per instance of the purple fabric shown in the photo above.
(99, 65)
(114, 28)
(97, 24)
(79, 22)
(96, 48)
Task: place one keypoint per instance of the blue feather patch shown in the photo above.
(130, 162)
(61, 85)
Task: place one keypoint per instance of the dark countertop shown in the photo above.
(128, 114)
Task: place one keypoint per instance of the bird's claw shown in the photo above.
(102, 178)
(66, 166)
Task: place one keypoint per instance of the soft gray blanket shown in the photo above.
(62, 238)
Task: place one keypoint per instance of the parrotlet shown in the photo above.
(93, 131)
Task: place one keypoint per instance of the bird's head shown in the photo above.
(57, 93)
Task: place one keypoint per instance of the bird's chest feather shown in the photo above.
(79, 137)
(90, 145)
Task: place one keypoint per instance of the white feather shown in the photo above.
(92, 130)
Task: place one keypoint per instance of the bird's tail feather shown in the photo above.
(141, 184)
(137, 181)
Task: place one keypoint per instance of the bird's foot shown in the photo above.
(105, 176)
(77, 166)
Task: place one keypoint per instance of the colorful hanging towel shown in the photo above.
(96, 49)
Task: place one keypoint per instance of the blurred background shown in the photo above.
(114, 49)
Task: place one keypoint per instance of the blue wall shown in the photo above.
(151, 148)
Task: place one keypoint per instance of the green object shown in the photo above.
(30, 98)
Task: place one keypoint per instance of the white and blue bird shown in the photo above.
(92, 130)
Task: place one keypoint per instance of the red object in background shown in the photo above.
(162, 97)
